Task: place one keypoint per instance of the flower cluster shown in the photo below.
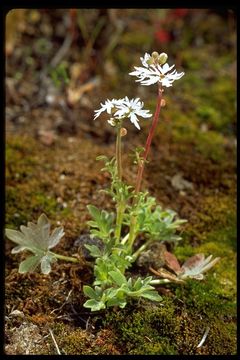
(156, 70)
(120, 109)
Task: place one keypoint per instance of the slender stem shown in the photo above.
(120, 212)
(133, 233)
(120, 204)
(148, 142)
(118, 153)
(66, 258)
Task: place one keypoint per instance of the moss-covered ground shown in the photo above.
(60, 177)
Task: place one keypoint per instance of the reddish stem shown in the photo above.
(148, 142)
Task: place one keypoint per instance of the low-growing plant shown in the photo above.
(137, 214)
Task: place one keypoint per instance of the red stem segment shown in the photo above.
(148, 142)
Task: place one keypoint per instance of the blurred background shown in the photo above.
(61, 63)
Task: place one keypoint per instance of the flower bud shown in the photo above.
(123, 132)
(155, 55)
(162, 58)
(163, 102)
(150, 61)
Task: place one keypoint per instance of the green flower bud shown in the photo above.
(150, 61)
(162, 58)
(155, 55)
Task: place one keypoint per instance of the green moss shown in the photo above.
(216, 215)
(176, 326)
(148, 331)
(210, 144)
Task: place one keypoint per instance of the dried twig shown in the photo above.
(54, 341)
(204, 337)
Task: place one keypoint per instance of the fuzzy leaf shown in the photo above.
(151, 295)
(94, 305)
(117, 302)
(102, 223)
(36, 237)
(118, 277)
(94, 212)
(88, 291)
(55, 237)
(196, 265)
(94, 250)
(193, 261)
(46, 264)
(30, 264)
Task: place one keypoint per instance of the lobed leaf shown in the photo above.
(30, 264)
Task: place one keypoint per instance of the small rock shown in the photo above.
(46, 137)
(179, 183)
(88, 240)
(154, 256)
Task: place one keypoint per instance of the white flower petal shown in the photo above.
(134, 120)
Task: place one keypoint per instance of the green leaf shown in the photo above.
(88, 291)
(138, 284)
(30, 264)
(151, 295)
(102, 223)
(118, 277)
(117, 302)
(94, 305)
(94, 250)
(94, 212)
(15, 236)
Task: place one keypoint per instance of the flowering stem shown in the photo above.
(118, 153)
(120, 212)
(148, 142)
(133, 220)
(120, 204)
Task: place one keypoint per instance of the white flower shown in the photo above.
(123, 108)
(153, 72)
(108, 106)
